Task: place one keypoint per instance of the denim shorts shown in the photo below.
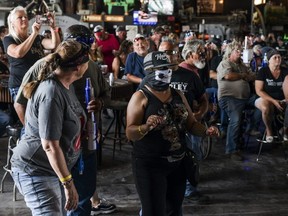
(44, 195)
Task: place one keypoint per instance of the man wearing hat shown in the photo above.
(134, 64)
(155, 39)
(108, 43)
(121, 33)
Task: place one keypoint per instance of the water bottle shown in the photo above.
(91, 121)
(111, 79)
(265, 61)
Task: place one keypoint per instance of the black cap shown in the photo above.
(271, 53)
(76, 31)
(121, 28)
(216, 41)
(157, 59)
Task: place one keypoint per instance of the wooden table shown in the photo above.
(121, 90)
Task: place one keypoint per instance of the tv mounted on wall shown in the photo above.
(142, 18)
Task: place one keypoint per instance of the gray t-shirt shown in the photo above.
(53, 113)
(239, 89)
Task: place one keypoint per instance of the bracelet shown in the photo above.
(140, 131)
(66, 179)
(66, 184)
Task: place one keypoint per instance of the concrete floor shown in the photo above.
(247, 188)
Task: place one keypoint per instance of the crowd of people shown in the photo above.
(179, 81)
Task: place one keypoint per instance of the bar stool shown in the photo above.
(14, 133)
(119, 111)
(277, 124)
(121, 92)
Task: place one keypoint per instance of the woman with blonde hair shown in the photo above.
(24, 49)
(50, 147)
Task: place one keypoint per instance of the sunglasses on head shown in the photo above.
(138, 38)
(87, 39)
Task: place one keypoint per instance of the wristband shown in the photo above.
(66, 179)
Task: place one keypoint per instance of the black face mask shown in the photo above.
(159, 80)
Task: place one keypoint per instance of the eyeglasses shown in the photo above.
(171, 52)
(138, 38)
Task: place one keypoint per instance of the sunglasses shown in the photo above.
(201, 54)
(170, 52)
(138, 38)
(83, 39)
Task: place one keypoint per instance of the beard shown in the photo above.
(200, 64)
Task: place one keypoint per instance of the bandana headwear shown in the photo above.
(80, 58)
(159, 80)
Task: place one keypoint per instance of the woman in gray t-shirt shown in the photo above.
(42, 160)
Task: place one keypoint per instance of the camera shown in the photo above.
(43, 19)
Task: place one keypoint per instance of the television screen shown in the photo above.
(162, 7)
(142, 18)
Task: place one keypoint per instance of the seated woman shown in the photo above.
(118, 64)
(268, 86)
(285, 91)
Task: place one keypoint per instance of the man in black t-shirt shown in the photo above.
(186, 79)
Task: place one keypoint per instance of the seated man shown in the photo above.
(234, 94)
(134, 69)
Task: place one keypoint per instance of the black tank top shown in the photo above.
(169, 138)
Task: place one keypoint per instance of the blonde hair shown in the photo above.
(10, 19)
(65, 52)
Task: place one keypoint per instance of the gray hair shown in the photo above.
(168, 39)
(10, 19)
(230, 47)
(191, 46)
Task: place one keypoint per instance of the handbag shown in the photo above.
(191, 167)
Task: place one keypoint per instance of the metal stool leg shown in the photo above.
(11, 144)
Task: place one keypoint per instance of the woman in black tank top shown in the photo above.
(157, 120)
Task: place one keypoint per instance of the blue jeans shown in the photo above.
(234, 109)
(223, 116)
(44, 195)
(4, 122)
(85, 184)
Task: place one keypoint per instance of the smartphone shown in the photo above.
(43, 19)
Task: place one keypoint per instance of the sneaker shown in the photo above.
(104, 207)
(198, 197)
(269, 139)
